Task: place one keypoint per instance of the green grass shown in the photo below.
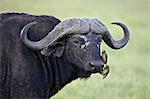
(129, 77)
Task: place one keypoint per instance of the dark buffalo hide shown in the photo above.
(23, 72)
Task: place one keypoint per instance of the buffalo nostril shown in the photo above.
(93, 66)
(98, 65)
(91, 63)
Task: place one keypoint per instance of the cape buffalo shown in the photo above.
(39, 55)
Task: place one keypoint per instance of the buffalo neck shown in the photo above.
(60, 73)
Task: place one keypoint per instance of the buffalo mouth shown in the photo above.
(101, 66)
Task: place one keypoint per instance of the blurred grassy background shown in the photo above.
(129, 77)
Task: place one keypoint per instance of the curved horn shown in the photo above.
(119, 43)
(27, 42)
(73, 25)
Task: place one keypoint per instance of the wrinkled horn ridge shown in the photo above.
(119, 43)
(74, 25)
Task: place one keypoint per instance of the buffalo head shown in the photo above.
(78, 40)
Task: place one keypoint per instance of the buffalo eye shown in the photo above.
(76, 41)
(79, 41)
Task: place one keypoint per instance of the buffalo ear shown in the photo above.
(57, 49)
